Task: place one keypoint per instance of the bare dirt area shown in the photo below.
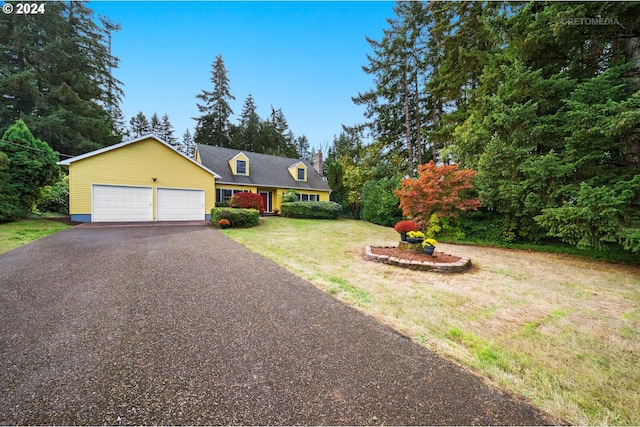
(437, 257)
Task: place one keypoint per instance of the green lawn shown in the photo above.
(18, 233)
(560, 330)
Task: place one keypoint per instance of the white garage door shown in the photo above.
(180, 205)
(113, 203)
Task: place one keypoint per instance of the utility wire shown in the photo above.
(34, 148)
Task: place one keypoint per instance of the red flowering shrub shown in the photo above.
(405, 226)
(246, 201)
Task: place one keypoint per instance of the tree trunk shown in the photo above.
(418, 122)
(436, 118)
(407, 124)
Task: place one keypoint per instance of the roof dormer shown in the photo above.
(239, 164)
(298, 171)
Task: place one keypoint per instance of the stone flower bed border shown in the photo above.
(455, 267)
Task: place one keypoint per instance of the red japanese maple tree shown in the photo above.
(246, 201)
(440, 189)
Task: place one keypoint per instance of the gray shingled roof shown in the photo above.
(264, 170)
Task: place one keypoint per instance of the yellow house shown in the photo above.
(269, 176)
(144, 179)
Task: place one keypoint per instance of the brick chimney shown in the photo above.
(317, 162)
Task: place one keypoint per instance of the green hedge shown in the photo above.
(237, 217)
(319, 210)
(378, 204)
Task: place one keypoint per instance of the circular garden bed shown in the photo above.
(407, 258)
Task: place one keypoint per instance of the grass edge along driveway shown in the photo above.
(560, 330)
(18, 233)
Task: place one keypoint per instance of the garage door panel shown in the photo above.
(112, 203)
(180, 204)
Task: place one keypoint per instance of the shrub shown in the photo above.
(28, 164)
(318, 210)
(405, 226)
(54, 198)
(10, 206)
(237, 217)
(290, 196)
(378, 203)
(246, 201)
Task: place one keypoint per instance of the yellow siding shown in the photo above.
(233, 164)
(276, 193)
(135, 165)
(323, 196)
(293, 170)
(236, 187)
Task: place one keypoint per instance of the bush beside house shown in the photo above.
(317, 210)
(246, 201)
(237, 217)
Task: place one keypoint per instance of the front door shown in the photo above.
(265, 201)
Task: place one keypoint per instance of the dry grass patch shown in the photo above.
(561, 330)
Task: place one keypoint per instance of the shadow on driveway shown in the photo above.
(181, 325)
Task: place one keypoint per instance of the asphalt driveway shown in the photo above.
(181, 325)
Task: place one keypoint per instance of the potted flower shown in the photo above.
(403, 227)
(415, 237)
(224, 223)
(428, 246)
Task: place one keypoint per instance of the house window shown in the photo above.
(224, 195)
(241, 167)
(307, 197)
(300, 174)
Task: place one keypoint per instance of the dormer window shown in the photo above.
(241, 167)
(298, 171)
(239, 164)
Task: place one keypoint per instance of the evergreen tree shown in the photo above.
(120, 129)
(156, 126)
(54, 74)
(139, 125)
(540, 103)
(303, 149)
(213, 125)
(395, 106)
(188, 146)
(281, 141)
(10, 207)
(166, 133)
(248, 132)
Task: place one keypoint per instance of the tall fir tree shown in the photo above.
(213, 125)
(248, 133)
(303, 148)
(395, 106)
(155, 125)
(55, 75)
(166, 133)
(188, 146)
(139, 125)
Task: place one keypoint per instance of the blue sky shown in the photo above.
(302, 57)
